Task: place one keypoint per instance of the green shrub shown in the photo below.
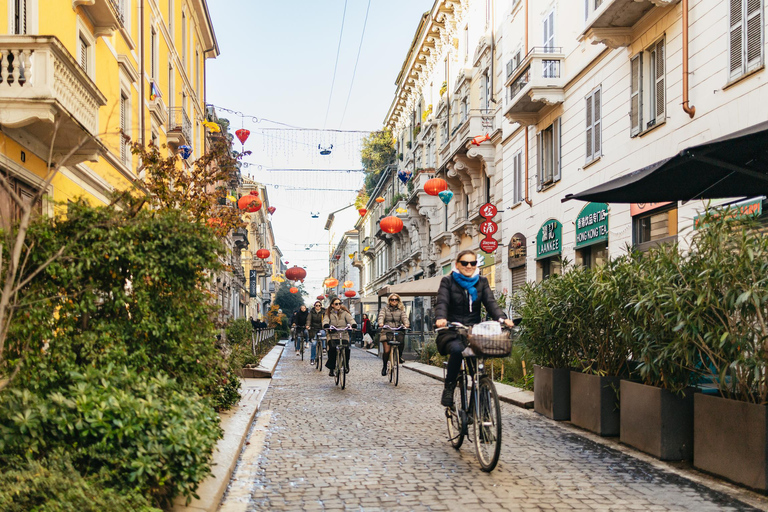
(239, 331)
(54, 485)
(141, 429)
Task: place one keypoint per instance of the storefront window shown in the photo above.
(655, 227)
(548, 249)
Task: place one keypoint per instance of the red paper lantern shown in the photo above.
(391, 225)
(435, 186)
(362, 211)
(249, 203)
(262, 253)
(271, 210)
(255, 193)
(331, 282)
(338, 256)
(350, 293)
(294, 289)
(242, 135)
(380, 199)
(320, 297)
(296, 273)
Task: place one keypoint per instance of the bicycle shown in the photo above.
(483, 410)
(303, 339)
(394, 351)
(319, 347)
(340, 372)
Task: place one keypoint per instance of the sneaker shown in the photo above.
(330, 374)
(384, 372)
(297, 353)
(447, 399)
(402, 360)
(311, 361)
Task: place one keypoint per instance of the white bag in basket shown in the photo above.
(486, 329)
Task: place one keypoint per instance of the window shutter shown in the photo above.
(736, 35)
(83, 54)
(661, 96)
(590, 122)
(540, 160)
(596, 117)
(523, 185)
(549, 30)
(754, 33)
(556, 142)
(636, 96)
(123, 128)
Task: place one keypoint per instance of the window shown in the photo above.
(746, 37)
(658, 226)
(463, 107)
(592, 256)
(549, 30)
(514, 62)
(83, 53)
(466, 43)
(591, 6)
(124, 128)
(487, 189)
(171, 86)
(593, 131)
(170, 18)
(548, 267)
(153, 53)
(486, 92)
(10, 212)
(648, 97)
(518, 194)
(184, 38)
(549, 155)
(197, 72)
(487, 12)
(19, 16)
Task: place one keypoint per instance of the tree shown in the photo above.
(289, 302)
(378, 151)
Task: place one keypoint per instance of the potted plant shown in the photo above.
(657, 408)
(544, 336)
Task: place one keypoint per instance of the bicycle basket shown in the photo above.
(491, 345)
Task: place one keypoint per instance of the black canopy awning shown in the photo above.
(732, 166)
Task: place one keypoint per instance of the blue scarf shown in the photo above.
(468, 283)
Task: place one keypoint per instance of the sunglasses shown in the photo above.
(468, 263)
(336, 304)
(394, 300)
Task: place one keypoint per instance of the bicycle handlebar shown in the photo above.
(390, 328)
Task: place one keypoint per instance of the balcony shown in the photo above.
(158, 110)
(107, 15)
(179, 127)
(537, 82)
(40, 84)
(240, 238)
(612, 22)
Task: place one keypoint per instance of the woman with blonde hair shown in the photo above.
(393, 315)
(337, 316)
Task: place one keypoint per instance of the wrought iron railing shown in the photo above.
(178, 120)
(117, 5)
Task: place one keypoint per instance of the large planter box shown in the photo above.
(552, 392)
(595, 403)
(730, 440)
(657, 421)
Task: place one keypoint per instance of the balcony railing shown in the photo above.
(106, 15)
(612, 21)
(538, 81)
(179, 126)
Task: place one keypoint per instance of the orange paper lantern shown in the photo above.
(331, 282)
(435, 186)
(294, 289)
(262, 253)
(249, 203)
(391, 225)
(380, 199)
(348, 284)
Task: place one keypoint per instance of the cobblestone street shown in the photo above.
(376, 447)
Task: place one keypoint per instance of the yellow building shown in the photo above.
(86, 78)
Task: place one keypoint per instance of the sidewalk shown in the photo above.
(236, 424)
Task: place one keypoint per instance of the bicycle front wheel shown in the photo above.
(457, 419)
(319, 355)
(487, 424)
(302, 350)
(343, 369)
(395, 364)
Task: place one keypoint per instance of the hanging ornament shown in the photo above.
(263, 254)
(480, 139)
(351, 256)
(380, 199)
(445, 196)
(362, 211)
(249, 203)
(331, 282)
(350, 293)
(242, 135)
(338, 257)
(269, 262)
(254, 193)
(401, 210)
(185, 151)
(325, 150)
(212, 127)
(293, 289)
(435, 186)
(348, 284)
(296, 273)
(404, 175)
(271, 210)
(320, 297)
(391, 225)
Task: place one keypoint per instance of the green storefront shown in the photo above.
(549, 247)
(592, 235)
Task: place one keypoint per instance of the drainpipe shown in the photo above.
(141, 72)
(527, 187)
(687, 107)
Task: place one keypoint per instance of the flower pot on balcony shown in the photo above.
(552, 392)
(595, 403)
(657, 421)
(730, 440)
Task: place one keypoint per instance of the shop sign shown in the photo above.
(549, 240)
(488, 211)
(254, 283)
(489, 245)
(748, 208)
(641, 208)
(517, 251)
(592, 225)
(489, 228)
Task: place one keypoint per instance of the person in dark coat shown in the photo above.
(315, 324)
(459, 299)
(299, 321)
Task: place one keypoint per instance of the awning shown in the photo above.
(422, 287)
(732, 166)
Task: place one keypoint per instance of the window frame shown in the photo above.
(18, 25)
(545, 178)
(518, 190)
(647, 77)
(744, 67)
(593, 129)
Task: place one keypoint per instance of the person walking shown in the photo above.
(393, 315)
(337, 316)
(314, 324)
(459, 299)
(299, 321)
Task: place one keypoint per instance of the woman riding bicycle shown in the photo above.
(298, 322)
(459, 299)
(393, 315)
(314, 324)
(337, 316)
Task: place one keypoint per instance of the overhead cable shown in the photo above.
(354, 71)
(336, 66)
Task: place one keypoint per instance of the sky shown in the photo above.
(276, 68)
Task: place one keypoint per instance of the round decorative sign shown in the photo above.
(489, 228)
(488, 210)
(489, 245)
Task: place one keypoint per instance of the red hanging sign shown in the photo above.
(488, 211)
(489, 228)
(489, 245)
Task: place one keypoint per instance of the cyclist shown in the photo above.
(393, 315)
(298, 322)
(314, 324)
(337, 316)
(459, 299)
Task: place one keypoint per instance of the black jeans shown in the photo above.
(332, 348)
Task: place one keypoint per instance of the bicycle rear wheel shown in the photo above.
(339, 367)
(487, 424)
(396, 364)
(302, 349)
(457, 419)
(319, 355)
(343, 369)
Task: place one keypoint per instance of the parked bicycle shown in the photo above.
(342, 369)
(392, 337)
(477, 402)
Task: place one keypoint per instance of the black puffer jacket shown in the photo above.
(453, 302)
(315, 319)
(300, 318)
